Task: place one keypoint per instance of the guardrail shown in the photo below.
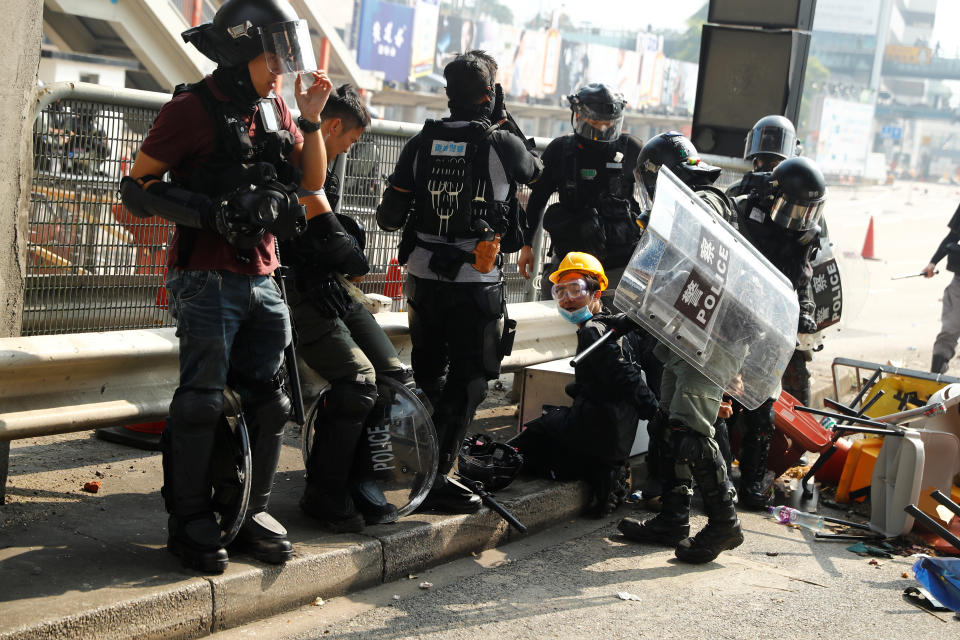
(66, 383)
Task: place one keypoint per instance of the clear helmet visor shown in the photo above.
(591, 124)
(644, 197)
(288, 47)
(775, 141)
(796, 216)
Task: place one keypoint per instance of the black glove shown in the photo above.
(233, 220)
(621, 323)
(806, 324)
(328, 296)
(499, 112)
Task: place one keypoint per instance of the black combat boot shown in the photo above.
(261, 535)
(722, 532)
(754, 450)
(610, 486)
(370, 501)
(668, 527)
(337, 430)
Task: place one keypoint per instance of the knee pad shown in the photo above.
(269, 413)
(350, 400)
(490, 355)
(197, 408)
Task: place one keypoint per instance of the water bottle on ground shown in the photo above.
(787, 515)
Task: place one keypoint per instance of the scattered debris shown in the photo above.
(875, 563)
(764, 586)
(410, 576)
(625, 595)
(426, 585)
(318, 602)
(904, 575)
(396, 597)
(773, 554)
(92, 487)
(99, 474)
(862, 549)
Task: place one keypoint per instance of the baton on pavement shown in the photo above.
(488, 500)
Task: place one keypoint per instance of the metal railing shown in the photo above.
(92, 266)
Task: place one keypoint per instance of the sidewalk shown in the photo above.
(81, 565)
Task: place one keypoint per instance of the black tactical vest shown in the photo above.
(454, 194)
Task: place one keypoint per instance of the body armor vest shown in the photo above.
(454, 195)
(594, 214)
(236, 162)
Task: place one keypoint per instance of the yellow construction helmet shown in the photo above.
(582, 262)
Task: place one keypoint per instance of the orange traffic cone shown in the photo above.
(867, 253)
(393, 285)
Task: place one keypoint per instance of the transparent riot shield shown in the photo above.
(231, 468)
(705, 292)
(398, 447)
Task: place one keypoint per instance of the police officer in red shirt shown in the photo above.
(236, 160)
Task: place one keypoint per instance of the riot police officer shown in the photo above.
(339, 339)
(682, 435)
(772, 140)
(592, 169)
(218, 137)
(780, 217)
(451, 192)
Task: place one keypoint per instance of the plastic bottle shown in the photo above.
(787, 515)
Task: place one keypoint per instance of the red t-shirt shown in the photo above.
(183, 136)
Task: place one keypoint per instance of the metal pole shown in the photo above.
(532, 293)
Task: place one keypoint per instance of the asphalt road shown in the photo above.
(564, 583)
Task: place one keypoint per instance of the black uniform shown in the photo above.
(592, 439)
(791, 252)
(597, 210)
(462, 173)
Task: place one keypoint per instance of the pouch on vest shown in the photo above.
(620, 230)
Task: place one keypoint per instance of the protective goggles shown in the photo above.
(288, 47)
(573, 289)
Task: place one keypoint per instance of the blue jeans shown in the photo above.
(227, 320)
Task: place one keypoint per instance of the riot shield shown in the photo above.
(839, 285)
(231, 468)
(706, 293)
(398, 447)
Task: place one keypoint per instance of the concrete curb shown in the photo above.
(325, 566)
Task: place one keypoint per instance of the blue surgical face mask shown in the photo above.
(576, 317)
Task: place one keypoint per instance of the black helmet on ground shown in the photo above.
(772, 139)
(492, 463)
(597, 113)
(799, 193)
(674, 151)
(243, 29)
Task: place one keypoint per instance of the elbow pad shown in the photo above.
(394, 209)
(335, 247)
(166, 201)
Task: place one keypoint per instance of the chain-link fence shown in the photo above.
(93, 266)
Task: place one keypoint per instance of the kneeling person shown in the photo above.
(592, 439)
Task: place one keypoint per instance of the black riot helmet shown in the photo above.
(771, 140)
(494, 464)
(243, 29)
(597, 113)
(674, 151)
(799, 193)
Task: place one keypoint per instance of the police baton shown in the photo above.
(290, 352)
(913, 275)
(586, 352)
(488, 500)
